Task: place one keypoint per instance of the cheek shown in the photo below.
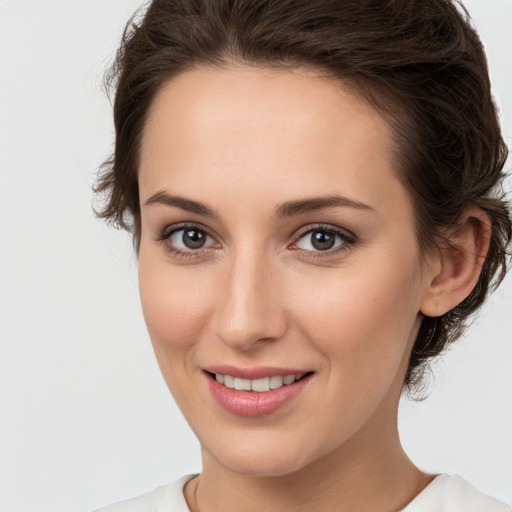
(175, 304)
(176, 308)
(366, 315)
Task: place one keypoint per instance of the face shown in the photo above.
(277, 255)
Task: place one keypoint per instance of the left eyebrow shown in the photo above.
(301, 206)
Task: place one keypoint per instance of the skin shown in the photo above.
(242, 141)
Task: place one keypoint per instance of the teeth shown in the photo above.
(288, 379)
(242, 384)
(276, 382)
(257, 385)
(260, 385)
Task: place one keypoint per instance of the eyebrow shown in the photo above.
(287, 209)
(183, 203)
(294, 208)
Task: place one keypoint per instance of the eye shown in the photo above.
(326, 239)
(186, 240)
(189, 238)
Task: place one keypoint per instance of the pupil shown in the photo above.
(322, 240)
(193, 239)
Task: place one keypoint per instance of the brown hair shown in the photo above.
(419, 62)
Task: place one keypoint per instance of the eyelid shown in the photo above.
(309, 228)
(168, 230)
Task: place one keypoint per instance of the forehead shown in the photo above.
(250, 100)
(250, 125)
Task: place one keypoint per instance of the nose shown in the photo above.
(249, 311)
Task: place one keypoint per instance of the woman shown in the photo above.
(313, 192)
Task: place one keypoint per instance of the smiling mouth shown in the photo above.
(257, 385)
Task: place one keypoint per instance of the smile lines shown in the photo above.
(258, 385)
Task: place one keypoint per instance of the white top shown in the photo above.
(444, 494)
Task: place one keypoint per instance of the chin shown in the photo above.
(262, 459)
(261, 467)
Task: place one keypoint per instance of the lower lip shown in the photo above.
(252, 403)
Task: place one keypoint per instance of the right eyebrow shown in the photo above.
(181, 202)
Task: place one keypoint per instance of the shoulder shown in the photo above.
(454, 494)
(168, 498)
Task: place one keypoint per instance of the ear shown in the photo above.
(454, 270)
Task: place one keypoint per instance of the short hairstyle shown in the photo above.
(418, 62)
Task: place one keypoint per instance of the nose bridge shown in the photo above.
(248, 310)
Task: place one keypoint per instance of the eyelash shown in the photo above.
(347, 239)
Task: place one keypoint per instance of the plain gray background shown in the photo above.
(85, 416)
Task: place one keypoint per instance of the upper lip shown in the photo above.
(256, 372)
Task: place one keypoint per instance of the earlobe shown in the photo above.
(455, 269)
